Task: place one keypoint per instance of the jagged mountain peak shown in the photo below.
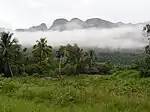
(41, 27)
(62, 24)
(76, 20)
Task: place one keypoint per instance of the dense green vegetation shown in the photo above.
(67, 60)
(43, 60)
(72, 79)
(123, 91)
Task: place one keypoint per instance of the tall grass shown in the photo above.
(123, 91)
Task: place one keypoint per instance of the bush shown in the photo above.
(105, 68)
(144, 67)
(69, 70)
(33, 68)
(42, 69)
(127, 74)
(145, 73)
(24, 74)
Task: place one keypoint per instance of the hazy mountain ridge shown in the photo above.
(41, 27)
(62, 24)
(76, 23)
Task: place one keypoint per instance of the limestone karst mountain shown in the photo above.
(62, 24)
(41, 27)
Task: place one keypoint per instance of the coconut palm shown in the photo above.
(146, 29)
(9, 49)
(42, 50)
(90, 59)
(61, 55)
(72, 55)
(75, 56)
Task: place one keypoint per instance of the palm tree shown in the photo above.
(75, 56)
(72, 55)
(42, 50)
(79, 58)
(9, 49)
(146, 29)
(90, 59)
(61, 55)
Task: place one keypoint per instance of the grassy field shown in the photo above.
(121, 92)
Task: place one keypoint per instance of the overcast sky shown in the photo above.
(25, 13)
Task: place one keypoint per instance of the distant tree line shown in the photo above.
(68, 60)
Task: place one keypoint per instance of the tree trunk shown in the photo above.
(59, 67)
(149, 44)
(77, 69)
(90, 65)
(40, 58)
(5, 69)
(10, 70)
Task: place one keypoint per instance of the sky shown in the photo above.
(26, 13)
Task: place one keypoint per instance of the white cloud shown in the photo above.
(35, 4)
(25, 13)
(123, 37)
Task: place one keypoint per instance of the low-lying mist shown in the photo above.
(122, 37)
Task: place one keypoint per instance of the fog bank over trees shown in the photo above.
(114, 38)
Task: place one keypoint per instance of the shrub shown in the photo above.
(144, 67)
(105, 68)
(69, 70)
